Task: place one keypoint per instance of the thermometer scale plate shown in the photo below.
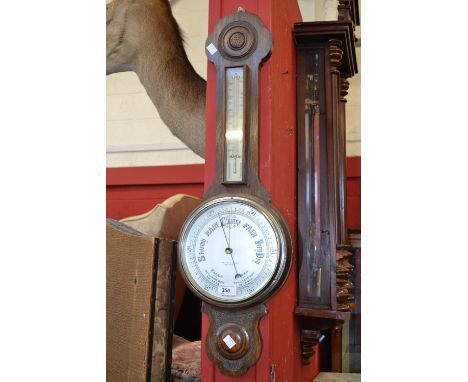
(235, 124)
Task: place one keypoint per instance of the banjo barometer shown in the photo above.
(235, 248)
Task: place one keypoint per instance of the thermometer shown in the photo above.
(234, 149)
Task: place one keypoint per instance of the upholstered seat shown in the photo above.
(165, 220)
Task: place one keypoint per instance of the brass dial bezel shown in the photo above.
(283, 238)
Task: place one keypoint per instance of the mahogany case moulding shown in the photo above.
(257, 48)
(309, 34)
(331, 44)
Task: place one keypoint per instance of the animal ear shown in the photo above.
(110, 7)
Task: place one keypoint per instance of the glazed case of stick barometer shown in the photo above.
(325, 53)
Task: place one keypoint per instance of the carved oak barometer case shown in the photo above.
(235, 248)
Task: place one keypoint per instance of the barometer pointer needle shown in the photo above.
(228, 249)
(229, 225)
(222, 226)
(229, 245)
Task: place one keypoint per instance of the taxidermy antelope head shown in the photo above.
(143, 36)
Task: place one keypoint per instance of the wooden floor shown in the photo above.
(338, 377)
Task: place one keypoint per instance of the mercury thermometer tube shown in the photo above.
(234, 148)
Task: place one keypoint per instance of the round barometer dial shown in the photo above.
(234, 251)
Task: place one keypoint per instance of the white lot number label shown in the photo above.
(227, 290)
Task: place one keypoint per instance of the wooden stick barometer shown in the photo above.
(325, 58)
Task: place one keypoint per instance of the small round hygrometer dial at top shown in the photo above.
(234, 251)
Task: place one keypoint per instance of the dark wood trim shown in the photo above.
(341, 146)
(355, 12)
(336, 348)
(258, 45)
(171, 310)
(152, 310)
(344, 10)
(336, 39)
(243, 326)
(321, 313)
(322, 31)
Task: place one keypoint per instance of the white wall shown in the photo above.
(136, 136)
(353, 109)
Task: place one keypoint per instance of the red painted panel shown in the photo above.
(191, 173)
(278, 159)
(214, 15)
(124, 201)
(353, 167)
(353, 192)
(135, 190)
(231, 6)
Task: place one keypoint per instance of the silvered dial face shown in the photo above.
(230, 250)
